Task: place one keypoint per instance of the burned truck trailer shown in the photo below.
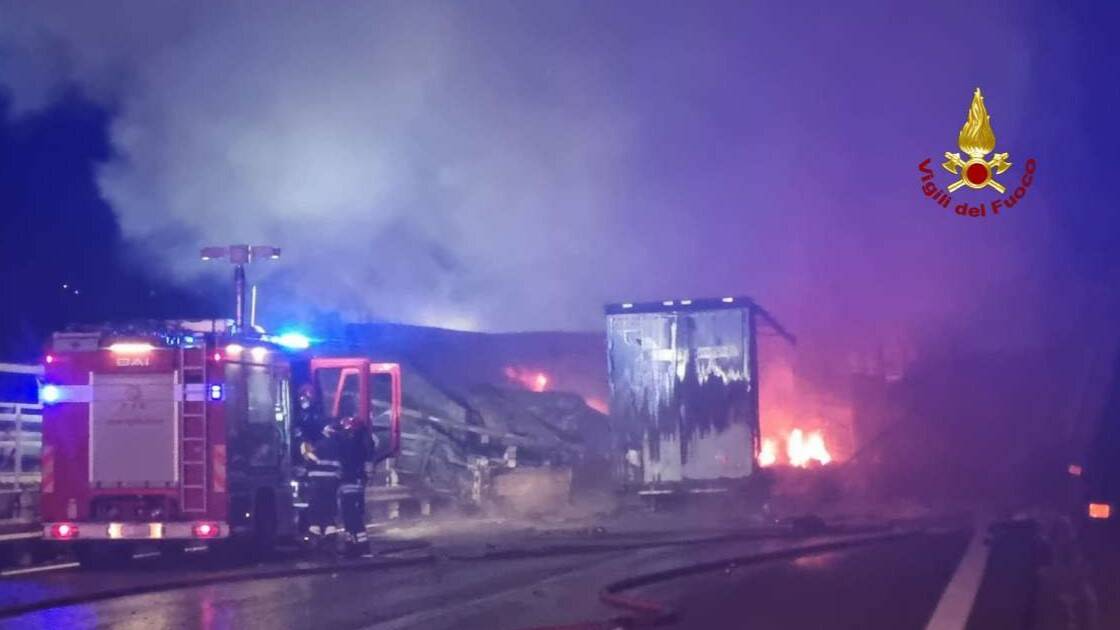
(684, 391)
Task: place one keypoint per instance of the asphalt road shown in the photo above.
(893, 584)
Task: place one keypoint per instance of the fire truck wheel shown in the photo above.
(173, 549)
(103, 556)
(19, 555)
(264, 522)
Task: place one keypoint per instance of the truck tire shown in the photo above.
(265, 523)
(98, 557)
(173, 550)
(20, 554)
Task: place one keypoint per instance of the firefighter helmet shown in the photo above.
(307, 397)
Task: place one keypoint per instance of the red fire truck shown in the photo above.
(182, 433)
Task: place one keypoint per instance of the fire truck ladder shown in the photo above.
(193, 412)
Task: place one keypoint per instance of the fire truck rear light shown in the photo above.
(217, 356)
(215, 392)
(50, 359)
(1100, 510)
(64, 531)
(205, 530)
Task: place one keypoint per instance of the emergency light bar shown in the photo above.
(131, 347)
(50, 394)
(292, 340)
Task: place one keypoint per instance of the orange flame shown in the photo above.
(531, 380)
(597, 404)
(802, 449)
(768, 454)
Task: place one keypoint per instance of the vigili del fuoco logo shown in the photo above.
(977, 140)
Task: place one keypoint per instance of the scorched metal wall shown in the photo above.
(682, 389)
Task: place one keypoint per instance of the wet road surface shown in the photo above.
(430, 595)
(894, 584)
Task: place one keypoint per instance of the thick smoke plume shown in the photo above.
(513, 166)
(415, 163)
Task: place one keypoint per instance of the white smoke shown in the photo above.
(409, 168)
(515, 165)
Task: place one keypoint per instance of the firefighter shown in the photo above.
(308, 420)
(321, 467)
(355, 445)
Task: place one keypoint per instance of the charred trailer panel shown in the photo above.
(684, 390)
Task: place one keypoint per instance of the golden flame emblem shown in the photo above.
(977, 140)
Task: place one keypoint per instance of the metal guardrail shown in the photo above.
(21, 445)
(22, 368)
(21, 436)
(21, 440)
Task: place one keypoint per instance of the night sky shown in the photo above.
(513, 166)
(62, 256)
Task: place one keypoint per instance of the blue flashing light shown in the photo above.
(293, 340)
(215, 392)
(50, 394)
(188, 339)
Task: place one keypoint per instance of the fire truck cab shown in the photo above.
(168, 435)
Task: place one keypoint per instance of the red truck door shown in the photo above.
(363, 389)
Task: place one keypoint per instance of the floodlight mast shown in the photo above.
(239, 256)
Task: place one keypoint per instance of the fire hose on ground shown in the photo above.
(645, 613)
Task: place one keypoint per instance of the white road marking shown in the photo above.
(71, 565)
(43, 569)
(956, 602)
(22, 535)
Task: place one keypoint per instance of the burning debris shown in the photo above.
(540, 381)
(532, 380)
(806, 412)
(803, 450)
(597, 404)
(768, 455)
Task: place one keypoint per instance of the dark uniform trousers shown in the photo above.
(324, 478)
